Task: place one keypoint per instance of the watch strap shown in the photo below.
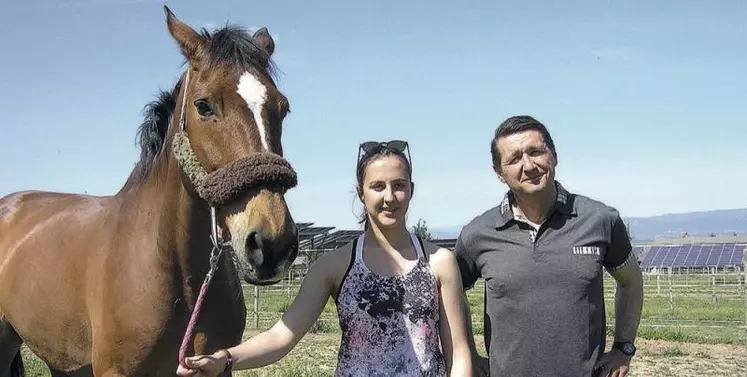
(229, 361)
(627, 348)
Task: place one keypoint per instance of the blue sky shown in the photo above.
(645, 100)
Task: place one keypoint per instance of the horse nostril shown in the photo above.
(253, 242)
(254, 247)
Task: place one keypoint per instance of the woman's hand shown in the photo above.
(203, 365)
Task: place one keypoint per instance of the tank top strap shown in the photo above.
(417, 244)
(358, 251)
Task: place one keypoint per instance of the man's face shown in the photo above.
(527, 166)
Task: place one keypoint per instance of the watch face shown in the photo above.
(628, 348)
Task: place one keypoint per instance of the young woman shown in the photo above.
(398, 297)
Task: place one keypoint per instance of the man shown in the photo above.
(541, 253)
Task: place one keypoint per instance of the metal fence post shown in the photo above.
(658, 284)
(713, 286)
(289, 283)
(256, 307)
(671, 292)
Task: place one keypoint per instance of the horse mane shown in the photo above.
(230, 45)
(235, 46)
(151, 134)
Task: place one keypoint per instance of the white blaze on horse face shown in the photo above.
(255, 95)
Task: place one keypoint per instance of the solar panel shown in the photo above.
(661, 255)
(656, 256)
(680, 255)
(310, 232)
(448, 243)
(738, 256)
(694, 255)
(703, 254)
(725, 259)
(671, 253)
(719, 254)
(647, 260)
(336, 239)
(714, 255)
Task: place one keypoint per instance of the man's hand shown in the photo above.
(480, 366)
(613, 364)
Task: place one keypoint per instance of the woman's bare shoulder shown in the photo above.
(335, 262)
(438, 256)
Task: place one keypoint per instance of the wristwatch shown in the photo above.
(628, 348)
(229, 361)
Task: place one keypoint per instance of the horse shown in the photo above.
(106, 285)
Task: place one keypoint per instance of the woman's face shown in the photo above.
(386, 191)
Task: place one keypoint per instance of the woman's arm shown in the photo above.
(452, 325)
(271, 345)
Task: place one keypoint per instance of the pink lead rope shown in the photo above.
(214, 257)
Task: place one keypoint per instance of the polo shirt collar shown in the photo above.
(562, 205)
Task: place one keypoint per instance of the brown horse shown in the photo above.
(105, 286)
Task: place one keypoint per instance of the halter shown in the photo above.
(219, 187)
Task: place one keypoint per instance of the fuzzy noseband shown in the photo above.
(228, 182)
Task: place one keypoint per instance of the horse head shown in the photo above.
(228, 145)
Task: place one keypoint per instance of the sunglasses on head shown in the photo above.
(369, 147)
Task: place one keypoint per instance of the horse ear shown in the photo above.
(263, 37)
(189, 41)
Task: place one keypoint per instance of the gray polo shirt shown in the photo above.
(543, 290)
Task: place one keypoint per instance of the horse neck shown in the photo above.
(181, 224)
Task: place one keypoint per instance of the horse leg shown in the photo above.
(11, 362)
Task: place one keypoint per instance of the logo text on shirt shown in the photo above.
(587, 250)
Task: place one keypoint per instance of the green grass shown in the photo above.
(695, 318)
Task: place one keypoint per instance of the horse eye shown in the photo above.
(204, 108)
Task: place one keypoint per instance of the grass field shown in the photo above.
(693, 318)
(692, 336)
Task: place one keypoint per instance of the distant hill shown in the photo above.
(719, 222)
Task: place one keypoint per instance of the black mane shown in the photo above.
(231, 45)
(151, 134)
(235, 46)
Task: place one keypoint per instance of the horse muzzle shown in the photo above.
(263, 258)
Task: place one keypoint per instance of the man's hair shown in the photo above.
(514, 125)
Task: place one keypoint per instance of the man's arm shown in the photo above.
(628, 305)
(622, 264)
(628, 301)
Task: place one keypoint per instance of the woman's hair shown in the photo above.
(379, 152)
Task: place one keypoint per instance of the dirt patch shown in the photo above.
(666, 358)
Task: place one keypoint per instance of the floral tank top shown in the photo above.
(389, 324)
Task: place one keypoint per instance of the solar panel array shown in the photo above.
(695, 255)
(699, 255)
(309, 235)
(448, 243)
